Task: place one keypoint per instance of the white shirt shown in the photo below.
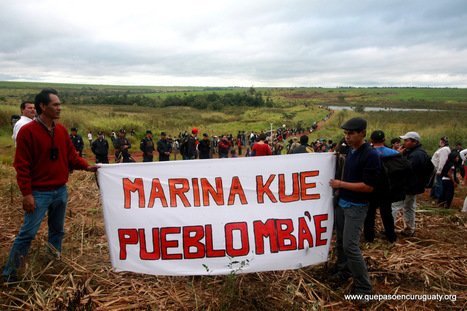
(440, 157)
(18, 125)
(89, 136)
(463, 155)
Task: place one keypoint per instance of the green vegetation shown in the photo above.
(220, 111)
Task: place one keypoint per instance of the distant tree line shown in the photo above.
(212, 101)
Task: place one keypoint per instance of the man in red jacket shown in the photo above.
(44, 156)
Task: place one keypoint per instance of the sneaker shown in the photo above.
(339, 277)
(407, 233)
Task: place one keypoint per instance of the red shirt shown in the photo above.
(34, 168)
(261, 149)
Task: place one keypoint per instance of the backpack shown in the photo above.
(428, 175)
(394, 176)
(395, 173)
(184, 146)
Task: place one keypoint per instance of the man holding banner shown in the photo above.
(43, 158)
(361, 173)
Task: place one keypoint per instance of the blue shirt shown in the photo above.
(385, 151)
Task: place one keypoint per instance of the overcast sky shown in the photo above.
(236, 42)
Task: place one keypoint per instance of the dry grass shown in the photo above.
(433, 262)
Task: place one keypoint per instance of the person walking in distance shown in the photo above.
(43, 158)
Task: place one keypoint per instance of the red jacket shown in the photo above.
(34, 168)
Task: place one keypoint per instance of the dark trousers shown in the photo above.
(102, 159)
(147, 157)
(447, 193)
(385, 211)
(350, 261)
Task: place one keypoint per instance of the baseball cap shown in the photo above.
(355, 124)
(74, 129)
(195, 130)
(377, 136)
(205, 134)
(122, 131)
(411, 135)
(100, 133)
(148, 132)
(163, 134)
(445, 139)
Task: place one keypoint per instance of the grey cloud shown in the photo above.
(341, 42)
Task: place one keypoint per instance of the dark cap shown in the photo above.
(122, 131)
(163, 134)
(459, 144)
(377, 136)
(100, 133)
(148, 132)
(355, 124)
(445, 140)
(205, 134)
(74, 129)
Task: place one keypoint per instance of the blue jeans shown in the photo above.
(350, 261)
(51, 202)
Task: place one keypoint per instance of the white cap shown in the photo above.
(411, 135)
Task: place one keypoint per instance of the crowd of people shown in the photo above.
(369, 175)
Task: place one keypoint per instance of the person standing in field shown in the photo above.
(90, 138)
(449, 180)
(294, 145)
(43, 158)
(261, 148)
(381, 198)
(224, 147)
(191, 152)
(77, 141)
(28, 112)
(439, 159)
(414, 152)
(147, 147)
(100, 147)
(204, 147)
(360, 176)
(304, 147)
(164, 147)
(396, 143)
(122, 144)
(460, 164)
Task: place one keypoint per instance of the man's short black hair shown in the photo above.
(395, 140)
(23, 104)
(303, 139)
(44, 98)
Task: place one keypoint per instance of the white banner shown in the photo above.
(218, 216)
